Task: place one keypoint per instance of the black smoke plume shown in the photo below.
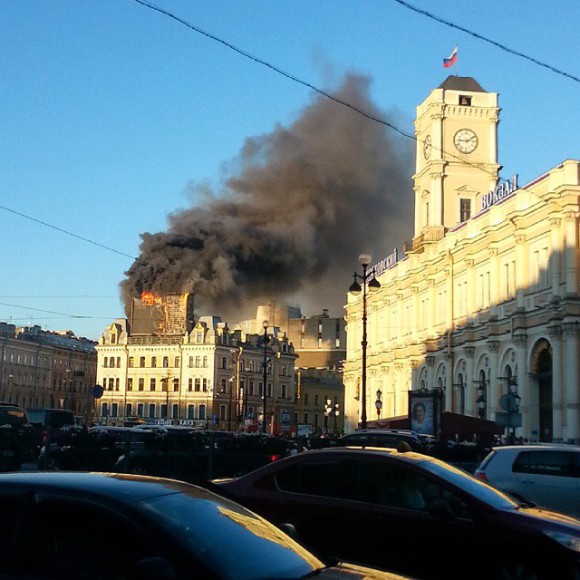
(289, 223)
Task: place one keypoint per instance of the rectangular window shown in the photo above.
(140, 408)
(154, 362)
(223, 413)
(464, 210)
(142, 362)
(251, 387)
(190, 385)
(131, 362)
(115, 410)
(118, 362)
(191, 411)
(284, 391)
(151, 410)
(128, 410)
(152, 384)
(117, 384)
(202, 414)
(165, 362)
(175, 385)
(197, 385)
(204, 385)
(130, 384)
(163, 410)
(269, 391)
(306, 418)
(141, 384)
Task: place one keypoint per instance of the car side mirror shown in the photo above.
(290, 530)
(442, 510)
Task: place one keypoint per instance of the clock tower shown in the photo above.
(456, 130)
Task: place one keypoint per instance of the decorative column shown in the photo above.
(430, 362)
(449, 394)
(492, 394)
(555, 334)
(471, 292)
(571, 331)
(571, 253)
(469, 385)
(522, 271)
(521, 340)
(495, 286)
(556, 257)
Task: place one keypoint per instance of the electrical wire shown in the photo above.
(488, 40)
(307, 84)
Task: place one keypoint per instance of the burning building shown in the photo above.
(155, 314)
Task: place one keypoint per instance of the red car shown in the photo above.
(409, 513)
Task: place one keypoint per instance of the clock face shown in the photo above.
(427, 147)
(465, 140)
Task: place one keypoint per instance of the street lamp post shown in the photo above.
(327, 412)
(355, 289)
(265, 369)
(379, 404)
(336, 413)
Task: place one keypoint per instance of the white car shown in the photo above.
(545, 474)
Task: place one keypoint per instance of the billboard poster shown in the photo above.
(424, 412)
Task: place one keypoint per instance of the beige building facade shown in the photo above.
(485, 301)
(204, 375)
(43, 369)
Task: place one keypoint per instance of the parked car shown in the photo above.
(389, 438)
(410, 513)
(16, 437)
(107, 526)
(46, 423)
(547, 475)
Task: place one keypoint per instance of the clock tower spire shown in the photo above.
(456, 130)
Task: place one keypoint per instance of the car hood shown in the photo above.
(347, 571)
(552, 517)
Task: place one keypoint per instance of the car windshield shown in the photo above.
(231, 540)
(475, 487)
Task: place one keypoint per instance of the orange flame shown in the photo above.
(150, 299)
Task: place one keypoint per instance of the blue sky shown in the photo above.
(109, 111)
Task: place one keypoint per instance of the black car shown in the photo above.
(46, 424)
(113, 526)
(16, 437)
(410, 513)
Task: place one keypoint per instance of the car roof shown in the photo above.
(409, 456)
(115, 486)
(538, 447)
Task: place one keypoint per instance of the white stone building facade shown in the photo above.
(486, 297)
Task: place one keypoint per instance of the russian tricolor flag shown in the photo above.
(447, 62)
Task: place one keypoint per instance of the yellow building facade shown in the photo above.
(485, 301)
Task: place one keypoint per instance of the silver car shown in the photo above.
(547, 474)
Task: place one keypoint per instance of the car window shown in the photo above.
(544, 462)
(234, 541)
(71, 539)
(311, 478)
(12, 511)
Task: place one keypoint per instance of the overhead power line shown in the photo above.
(488, 40)
(303, 83)
(32, 219)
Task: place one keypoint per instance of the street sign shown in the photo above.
(98, 391)
(508, 419)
